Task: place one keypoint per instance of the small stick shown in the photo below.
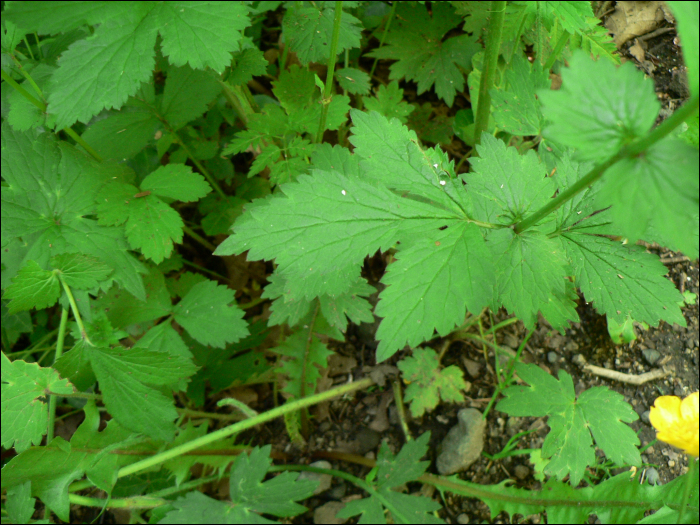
(677, 258)
(627, 378)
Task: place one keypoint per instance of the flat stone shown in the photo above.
(326, 513)
(324, 480)
(463, 444)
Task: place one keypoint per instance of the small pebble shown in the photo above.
(652, 476)
(521, 472)
(645, 416)
(323, 479)
(651, 355)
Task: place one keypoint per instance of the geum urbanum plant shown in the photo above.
(513, 232)
(95, 232)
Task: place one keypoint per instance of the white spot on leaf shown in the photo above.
(343, 192)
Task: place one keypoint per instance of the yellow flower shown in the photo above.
(676, 421)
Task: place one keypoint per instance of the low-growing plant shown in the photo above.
(117, 117)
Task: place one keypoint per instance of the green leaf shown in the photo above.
(599, 108)
(186, 96)
(51, 189)
(354, 81)
(309, 31)
(249, 63)
(122, 49)
(623, 280)
(295, 89)
(394, 471)
(308, 356)
(300, 97)
(123, 309)
(335, 158)
(127, 377)
(206, 315)
(104, 69)
(176, 181)
(657, 191)
(569, 444)
(391, 154)
(291, 305)
(249, 495)
(389, 102)
(596, 41)
(202, 36)
(571, 15)
(416, 42)
(621, 333)
(32, 287)
(323, 225)
(220, 213)
(510, 185)
(427, 383)
(688, 16)
(80, 271)
(24, 405)
(135, 128)
(151, 225)
(344, 220)
(560, 309)
(432, 285)
(285, 308)
(275, 496)
(430, 125)
(517, 109)
(531, 268)
(348, 305)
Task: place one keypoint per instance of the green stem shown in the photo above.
(39, 104)
(488, 75)
(384, 34)
(689, 481)
(521, 26)
(18, 87)
(240, 100)
(74, 308)
(201, 240)
(330, 73)
(59, 353)
(304, 365)
(79, 140)
(199, 166)
(401, 409)
(631, 150)
(557, 51)
(236, 428)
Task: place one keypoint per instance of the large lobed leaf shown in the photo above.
(456, 250)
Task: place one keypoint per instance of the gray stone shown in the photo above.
(652, 476)
(326, 513)
(521, 472)
(463, 444)
(651, 355)
(324, 480)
